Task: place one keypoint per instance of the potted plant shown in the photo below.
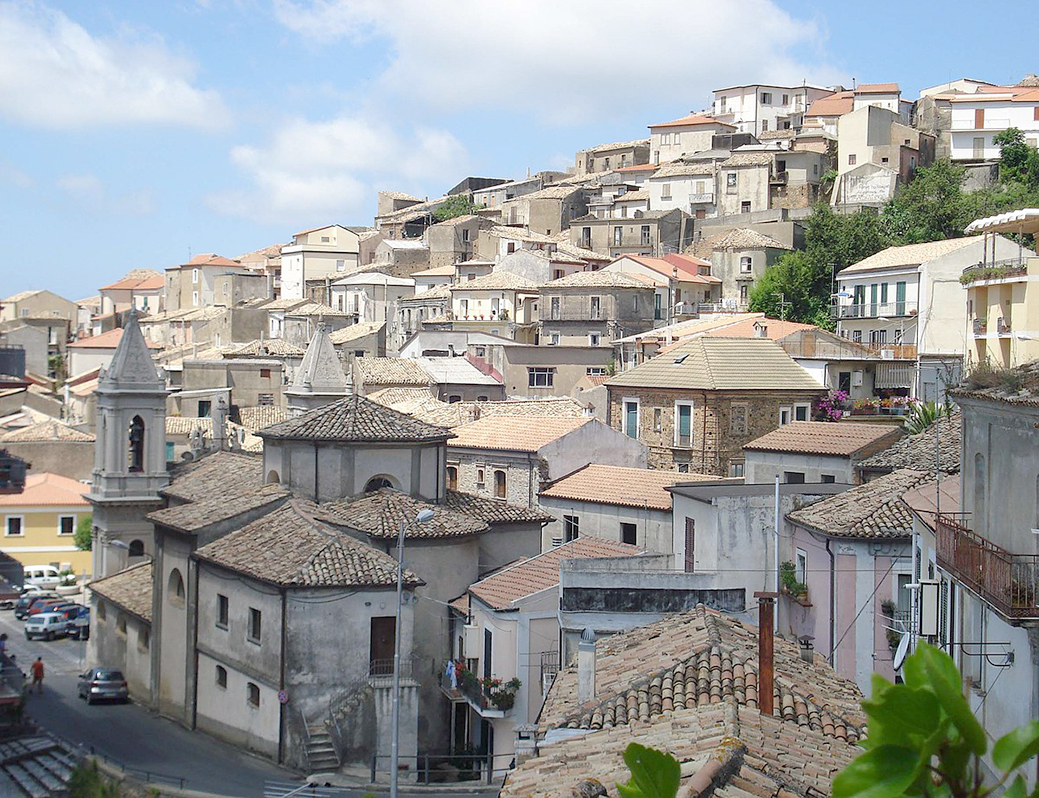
(502, 695)
(798, 591)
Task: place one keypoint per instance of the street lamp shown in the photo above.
(421, 518)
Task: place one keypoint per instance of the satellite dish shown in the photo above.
(900, 653)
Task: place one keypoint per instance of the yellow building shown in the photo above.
(39, 522)
(1002, 307)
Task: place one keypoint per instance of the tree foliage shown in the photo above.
(456, 205)
(82, 538)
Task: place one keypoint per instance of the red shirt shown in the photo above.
(37, 669)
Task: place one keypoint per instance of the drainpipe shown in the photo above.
(316, 472)
(833, 599)
(281, 683)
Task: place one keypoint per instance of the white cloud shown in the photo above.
(331, 170)
(570, 62)
(12, 175)
(55, 74)
(88, 192)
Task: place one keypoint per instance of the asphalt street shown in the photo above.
(134, 737)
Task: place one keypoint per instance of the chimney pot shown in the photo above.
(766, 656)
(586, 666)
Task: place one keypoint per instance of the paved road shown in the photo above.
(131, 735)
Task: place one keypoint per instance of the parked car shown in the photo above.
(29, 600)
(42, 575)
(47, 625)
(26, 592)
(78, 624)
(103, 683)
(46, 605)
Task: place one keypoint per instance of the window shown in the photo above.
(265, 373)
(802, 411)
(618, 236)
(480, 478)
(745, 206)
(631, 418)
(683, 424)
(794, 477)
(764, 125)
(144, 639)
(175, 588)
(499, 484)
(586, 237)
(766, 98)
(851, 159)
(267, 399)
(665, 191)
(120, 624)
(540, 377)
(377, 483)
(605, 163)
(827, 478)
(204, 407)
(683, 468)
(194, 276)
(629, 534)
(736, 470)
(594, 339)
(658, 306)
(595, 371)
(738, 418)
(746, 264)
(571, 527)
(255, 625)
(744, 293)
(252, 695)
(690, 545)
(596, 303)
(856, 336)
(452, 477)
(194, 298)
(635, 303)
(221, 677)
(135, 453)
(136, 548)
(221, 611)
(465, 236)
(786, 99)
(665, 138)
(658, 419)
(801, 566)
(14, 526)
(785, 416)
(553, 308)
(645, 235)
(553, 339)
(900, 298)
(66, 524)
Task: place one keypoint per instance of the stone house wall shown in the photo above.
(523, 474)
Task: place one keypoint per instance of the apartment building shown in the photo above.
(194, 284)
(651, 233)
(669, 141)
(759, 108)
(595, 308)
(616, 155)
(316, 254)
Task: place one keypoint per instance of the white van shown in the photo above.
(42, 575)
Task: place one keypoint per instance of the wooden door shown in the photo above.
(690, 545)
(382, 639)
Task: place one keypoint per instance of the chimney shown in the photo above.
(586, 667)
(218, 414)
(766, 658)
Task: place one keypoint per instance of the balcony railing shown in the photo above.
(995, 270)
(1009, 582)
(707, 196)
(1003, 326)
(780, 177)
(980, 326)
(872, 310)
(487, 699)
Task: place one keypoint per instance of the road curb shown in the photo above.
(118, 774)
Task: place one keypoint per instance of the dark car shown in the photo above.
(46, 605)
(78, 623)
(103, 683)
(27, 602)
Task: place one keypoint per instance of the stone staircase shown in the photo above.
(321, 751)
(37, 766)
(323, 737)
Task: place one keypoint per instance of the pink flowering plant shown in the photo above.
(832, 407)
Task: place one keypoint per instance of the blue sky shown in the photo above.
(133, 134)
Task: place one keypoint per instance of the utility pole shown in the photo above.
(783, 304)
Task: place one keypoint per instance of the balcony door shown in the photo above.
(382, 639)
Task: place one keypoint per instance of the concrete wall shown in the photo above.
(752, 186)
(506, 543)
(70, 459)
(121, 640)
(652, 527)
(621, 312)
(34, 341)
(763, 467)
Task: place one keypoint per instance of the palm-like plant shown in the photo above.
(921, 415)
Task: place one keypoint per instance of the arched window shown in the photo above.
(136, 548)
(452, 477)
(135, 455)
(175, 588)
(979, 493)
(252, 694)
(221, 676)
(120, 624)
(377, 483)
(499, 484)
(273, 478)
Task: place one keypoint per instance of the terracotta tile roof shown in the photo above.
(493, 511)
(498, 281)
(130, 589)
(696, 658)
(152, 282)
(642, 167)
(924, 500)
(576, 252)
(437, 271)
(775, 329)
(108, 340)
(283, 304)
(872, 510)
(269, 347)
(738, 159)
(21, 295)
(520, 234)
(355, 332)
(822, 437)
(193, 516)
(836, 104)
(46, 489)
(379, 515)
(560, 407)
(917, 451)
(541, 572)
(910, 255)
(399, 195)
(389, 371)
(211, 259)
(515, 433)
(877, 88)
(618, 145)
(721, 364)
(420, 403)
(315, 309)
(289, 547)
(51, 430)
(692, 120)
(619, 485)
(185, 425)
(725, 750)
(735, 239)
(215, 475)
(642, 195)
(256, 418)
(601, 278)
(704, 168)
(354, 419)
(549, 192)
(1024, 391)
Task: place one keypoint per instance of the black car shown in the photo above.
(78, 623)
(26, 602)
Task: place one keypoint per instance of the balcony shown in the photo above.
(1008, 582)
(980, 327)
(490, 697)
(706, 197)
(1003, 326)
(1004, 269)
(873, 310)
(780, 177)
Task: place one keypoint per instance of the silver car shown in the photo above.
(103, 684)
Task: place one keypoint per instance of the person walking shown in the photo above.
(37, 675)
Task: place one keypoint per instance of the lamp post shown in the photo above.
(421, 518)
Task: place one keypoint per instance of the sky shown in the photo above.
(135, 135)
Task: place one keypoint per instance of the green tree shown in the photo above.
(932, 207)
(83, 536)
(1018, 161)
(795, 288)
(457, 205)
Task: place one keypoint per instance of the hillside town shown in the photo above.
(490, 486)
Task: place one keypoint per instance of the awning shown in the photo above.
(895, 375)
(1025, 220)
